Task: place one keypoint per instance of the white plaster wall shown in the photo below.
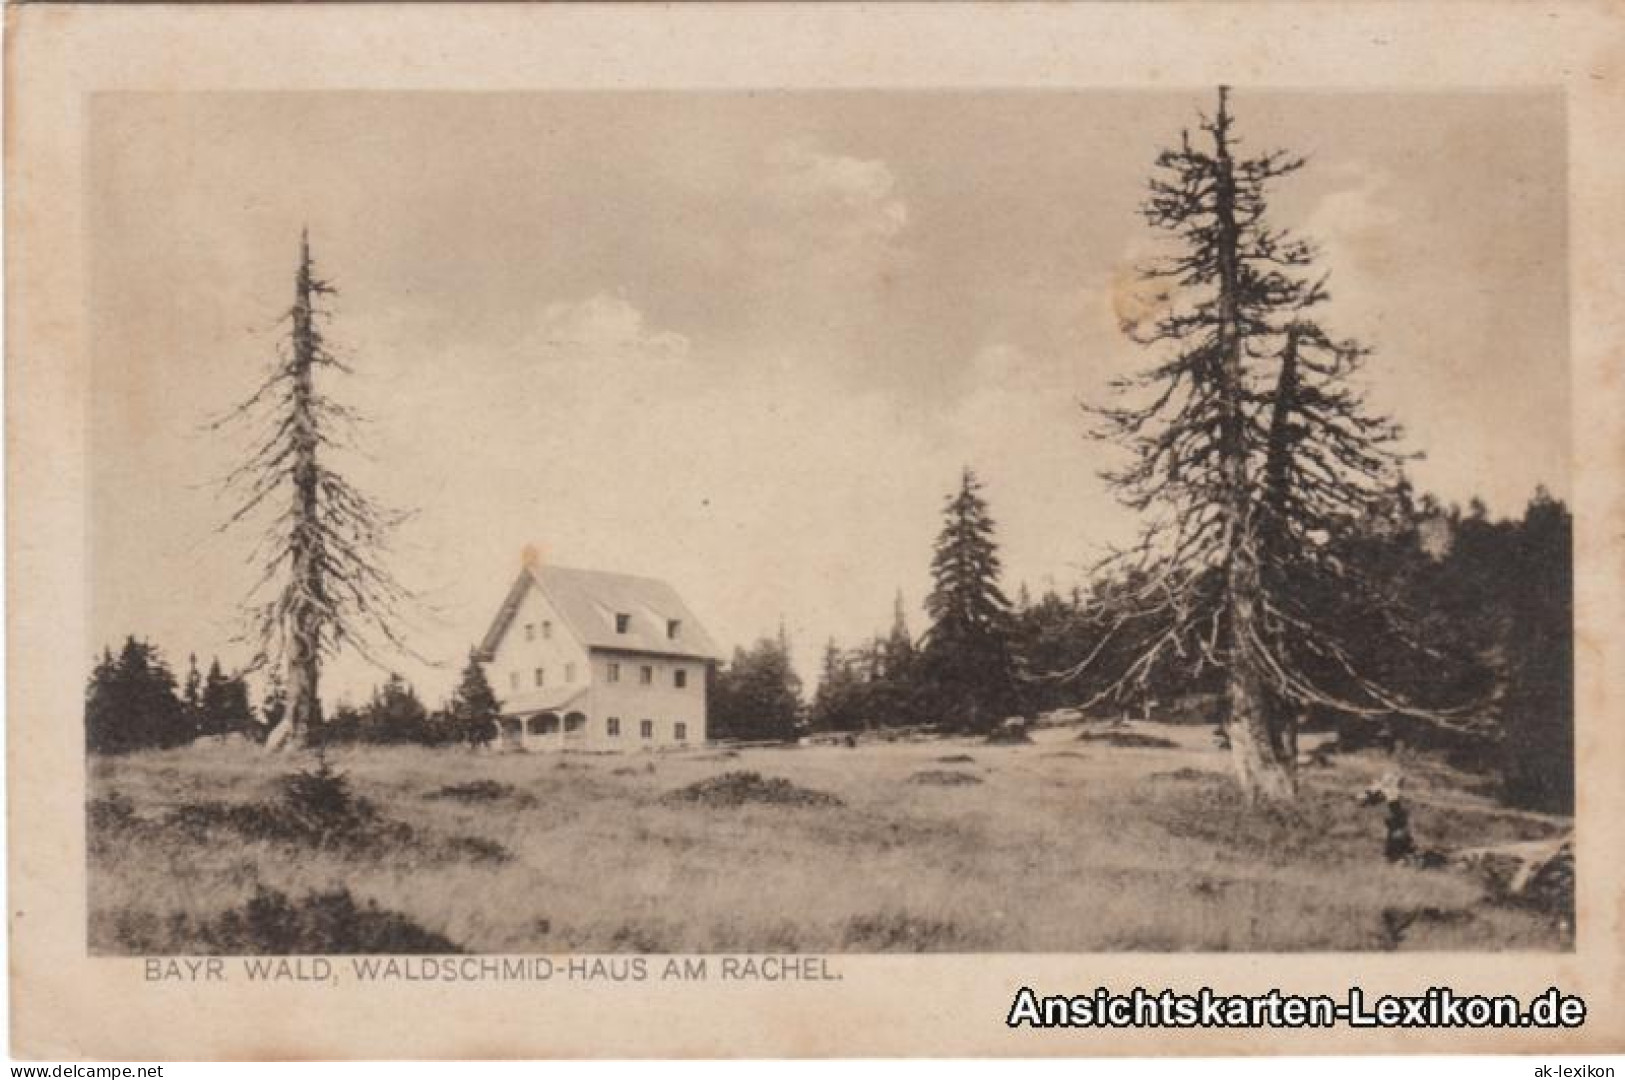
(518, 657)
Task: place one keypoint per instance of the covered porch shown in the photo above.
(558, 728)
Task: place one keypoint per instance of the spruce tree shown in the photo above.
(758, 695)
(898, 652)
(192, 695)
(1250, 458)
(840, 700)
(968, 668)
(323, 586)
(225, 706)
(895, 697)
(395, 714)
(212, 715)
(131, 703)
(474, 706)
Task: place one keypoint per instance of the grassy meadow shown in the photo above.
(1065, 844)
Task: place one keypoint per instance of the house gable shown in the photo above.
(534, 660)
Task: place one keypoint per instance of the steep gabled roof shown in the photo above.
(589, 600)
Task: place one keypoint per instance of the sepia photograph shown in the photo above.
(922, 522)
(813, 531)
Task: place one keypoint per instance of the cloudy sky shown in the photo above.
(746, 342)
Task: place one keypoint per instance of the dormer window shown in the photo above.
(623, 622)
(674, 627)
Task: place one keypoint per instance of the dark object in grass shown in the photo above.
(738, 788)
(1128, 740)
(944, 778)
(1398, 845)
(956, 759)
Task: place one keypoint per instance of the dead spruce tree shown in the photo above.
(323, 586)
(1250, 459)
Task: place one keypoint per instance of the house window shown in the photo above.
(680, 730)
(614, 727)
(569, 673)
(679, 678)
(646, 675)
(612, 673)
(530, 631)
(673, 628)
(646, 729)
(540, 679)
(622, 622)
(547, 630)
(513, 680)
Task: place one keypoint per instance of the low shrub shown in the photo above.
(113, 811)
(475, 849)
(738, 788)
(944, 778)
(316, 808)
(898, 932)
(1188, 774)
(1128, 740)
(479, 791)
(331, 922)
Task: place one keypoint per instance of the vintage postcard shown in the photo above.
(814, 531)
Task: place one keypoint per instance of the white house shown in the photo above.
(582, 659)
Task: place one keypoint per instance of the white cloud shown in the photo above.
(1360, 237)
(604, 329)
(830, 220)
(807, 180)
